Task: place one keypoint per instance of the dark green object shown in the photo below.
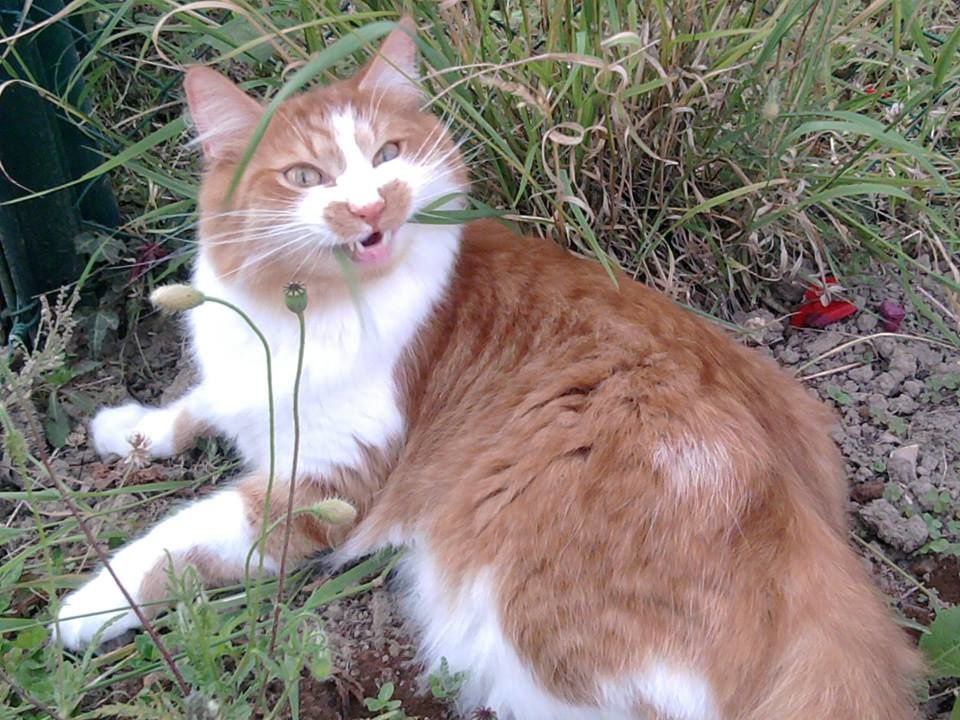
(41, 148)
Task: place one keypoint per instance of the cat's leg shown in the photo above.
(213, 535)
(161, 431)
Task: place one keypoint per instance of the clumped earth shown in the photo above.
(898, 405)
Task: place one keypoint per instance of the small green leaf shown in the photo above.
(12, 623)
(941, 644)
(8, 533)
(57, 424)
(31, 639)
(838, 395)
(103, 322)
(945, 61)
(892, 492)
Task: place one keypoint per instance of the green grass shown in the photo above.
(711, 149)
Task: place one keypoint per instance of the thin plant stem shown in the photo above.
(293, 484)
(261, 542)
(82, 523)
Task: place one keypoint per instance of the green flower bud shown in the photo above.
(295, 296)
(177, 298)
(334, 511)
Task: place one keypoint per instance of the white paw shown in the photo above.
(112, 428)
(84, 611)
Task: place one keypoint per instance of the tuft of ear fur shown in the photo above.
(223, 114)
(394, 67)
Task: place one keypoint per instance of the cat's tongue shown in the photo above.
(370, 250)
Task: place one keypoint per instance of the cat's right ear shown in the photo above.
(224, 115)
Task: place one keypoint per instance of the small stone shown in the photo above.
(867, 322)
(903, 405)
(913, 388)
(867, 491)
(906, 534)
(886, 438)
(903, 364)
(789, 357)
(862, 374)
(825, 342)
(925, 493)
(886, 347)
(879, 404)
(902, 465)
(887, 383)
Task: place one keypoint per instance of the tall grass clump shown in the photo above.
(712, 149)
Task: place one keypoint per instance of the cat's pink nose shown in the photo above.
(369, 213)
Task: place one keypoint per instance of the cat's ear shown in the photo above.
(223, 114)
(394, 67)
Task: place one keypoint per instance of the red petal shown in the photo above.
(799, 318)
(834, 312)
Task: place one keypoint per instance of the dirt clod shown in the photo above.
(906, 534)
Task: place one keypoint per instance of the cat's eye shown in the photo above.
(304, 176)
(386, 153)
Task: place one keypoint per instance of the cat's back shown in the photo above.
(531, 326)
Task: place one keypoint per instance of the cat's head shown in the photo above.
(345, 166)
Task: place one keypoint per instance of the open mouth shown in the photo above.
(374, 247)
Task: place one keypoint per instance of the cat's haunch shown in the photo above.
(609, 508)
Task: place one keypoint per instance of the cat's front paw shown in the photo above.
(113, 430)
(151, 432)
(85, 611)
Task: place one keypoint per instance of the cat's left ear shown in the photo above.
(394, 67)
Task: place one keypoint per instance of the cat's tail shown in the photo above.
(843, 658)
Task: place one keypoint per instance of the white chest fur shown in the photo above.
(348, 394)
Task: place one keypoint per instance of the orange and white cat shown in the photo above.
(610, 510)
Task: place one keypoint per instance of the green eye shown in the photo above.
(304, 176)
(386, 153)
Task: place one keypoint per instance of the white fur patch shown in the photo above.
(217, 525)
(348, 394)
(693, 464)
(463, 627)
(673, 692)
